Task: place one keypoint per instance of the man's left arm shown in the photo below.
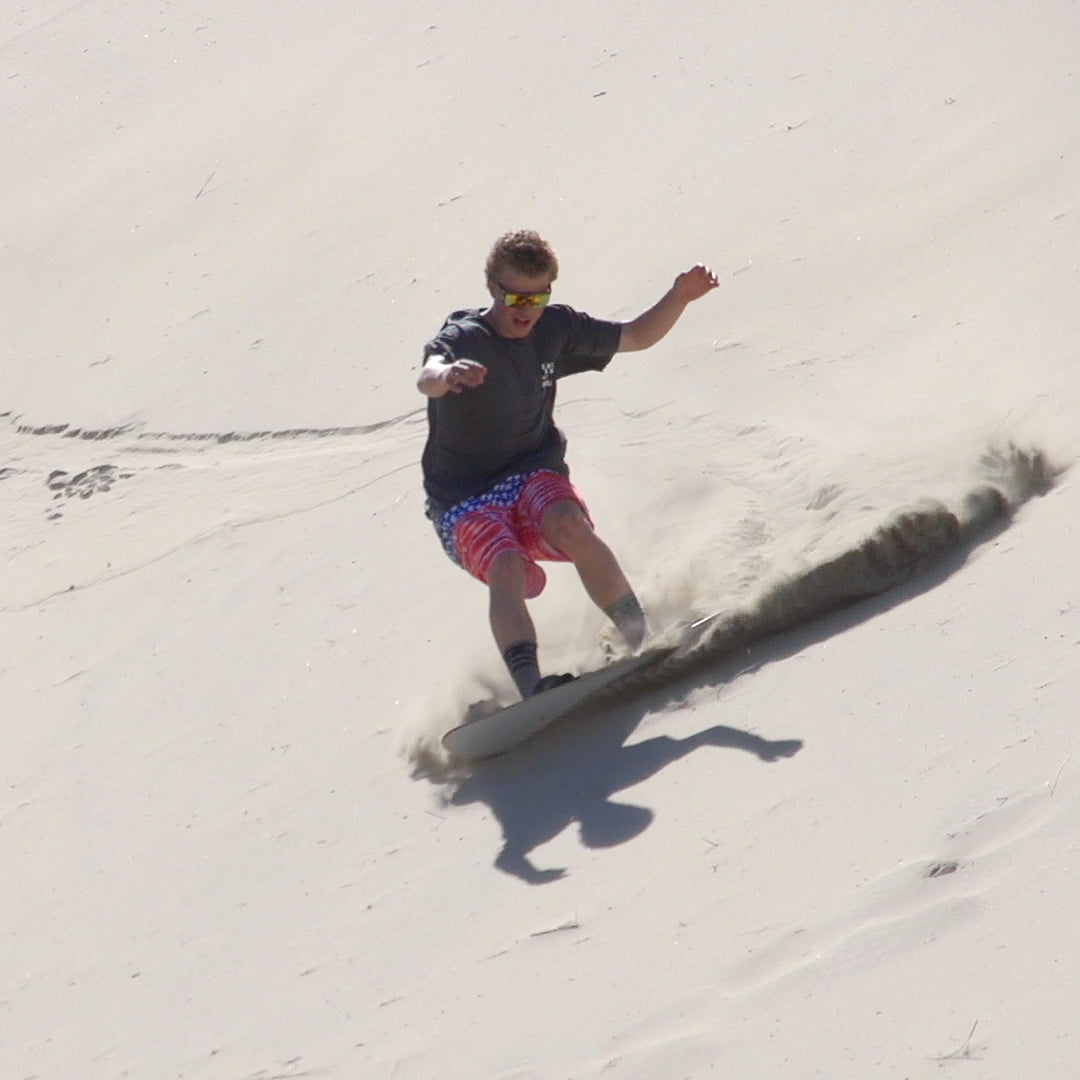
(650, 326)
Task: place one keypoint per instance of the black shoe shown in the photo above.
(549, 682)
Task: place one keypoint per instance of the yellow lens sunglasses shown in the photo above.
(524, 299)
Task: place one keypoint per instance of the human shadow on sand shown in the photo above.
(571, 772)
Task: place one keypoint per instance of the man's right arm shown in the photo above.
(440, 375)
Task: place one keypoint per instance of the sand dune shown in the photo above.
(839, 843)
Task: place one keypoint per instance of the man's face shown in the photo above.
(516, 321)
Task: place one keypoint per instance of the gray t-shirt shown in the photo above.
(506, 426)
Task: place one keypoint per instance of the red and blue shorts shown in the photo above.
(507, 518)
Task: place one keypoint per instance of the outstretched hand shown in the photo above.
(695, 283)
(650, 326)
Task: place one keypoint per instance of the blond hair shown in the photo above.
(525, 251)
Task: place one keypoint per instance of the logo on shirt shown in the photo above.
(547, 374)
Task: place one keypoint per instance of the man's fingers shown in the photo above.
(472, 373)
(697, 281)
(465, 374)
(706, 275)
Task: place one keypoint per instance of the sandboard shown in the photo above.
(503, 729)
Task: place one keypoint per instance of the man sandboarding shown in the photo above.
(495, 474)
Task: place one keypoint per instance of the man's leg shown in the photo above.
(510, 619)
(511, 624)
(565, 527)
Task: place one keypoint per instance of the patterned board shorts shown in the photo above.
(507, 518)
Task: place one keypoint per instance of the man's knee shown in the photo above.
(565, 526)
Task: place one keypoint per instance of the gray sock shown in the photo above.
(630, 620)
(520, 660)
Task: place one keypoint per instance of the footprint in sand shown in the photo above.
(65, 485)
